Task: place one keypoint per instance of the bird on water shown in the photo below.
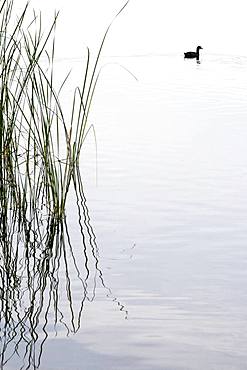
(193, 54)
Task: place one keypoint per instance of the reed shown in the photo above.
(36, 168)
(40, 150)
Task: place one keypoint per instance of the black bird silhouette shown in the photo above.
(193, 54)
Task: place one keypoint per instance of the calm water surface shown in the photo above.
(169, 211)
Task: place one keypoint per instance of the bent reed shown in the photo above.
(36, 172)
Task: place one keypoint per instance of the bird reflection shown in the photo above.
(43, 268)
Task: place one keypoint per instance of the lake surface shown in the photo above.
(167, 199)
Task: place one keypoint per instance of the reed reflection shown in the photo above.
(45, 279)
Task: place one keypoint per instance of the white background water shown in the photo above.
(170, 211)
(170, 205)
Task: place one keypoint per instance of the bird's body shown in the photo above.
(193, 54)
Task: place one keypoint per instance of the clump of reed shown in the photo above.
(40, 150)
(39, 147)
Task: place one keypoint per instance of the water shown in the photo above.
(169, 211)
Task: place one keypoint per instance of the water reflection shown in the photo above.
(42, 270)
